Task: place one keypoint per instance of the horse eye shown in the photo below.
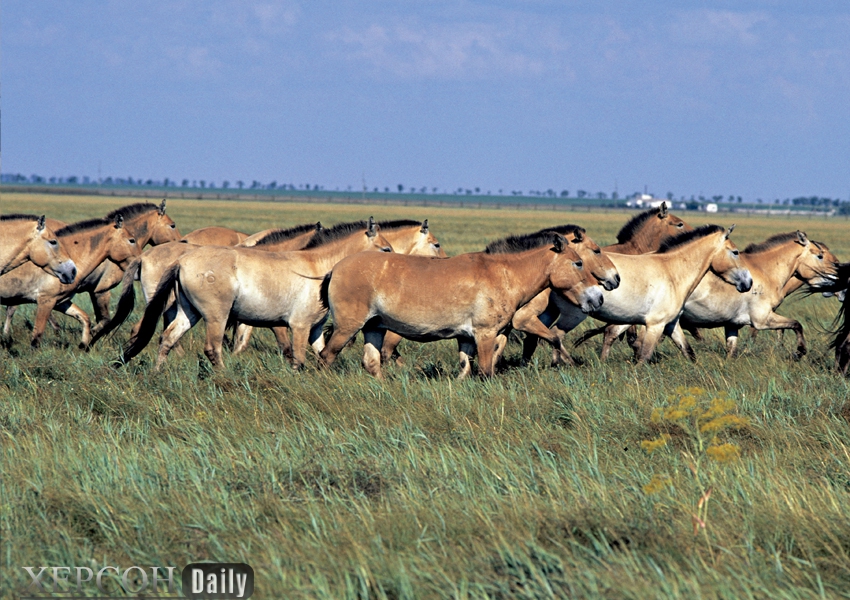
(820, 256)
(437, 245)
(680, 225)
(578, 264)
(597, 251)
(54, 243)
(173, 225)
(132, 240)
(734, 253)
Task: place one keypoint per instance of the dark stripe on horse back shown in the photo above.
(83, 226)
(689, 236)
(19, 217)
(399, 224)
(335, 233)
(281, 235)
(634, 224)
(520, 243)
(132, 210)
(771, 242)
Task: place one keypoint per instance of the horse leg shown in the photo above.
(531, 341)
(388, 351)
(184, 320)
(650, 339)
(339, 340)
(241, 337)
(281, 334)
(775, 321)
(316, 339)
(612, 332)
(842, 356)
(532, 325)
(7, 325)
(501, 344)
(373, 341)
(41, 315)
(72, 310)
(466, 350)
(100, 305)
(731, 332)
(678, 337)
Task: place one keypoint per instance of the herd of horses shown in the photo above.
(392, 280)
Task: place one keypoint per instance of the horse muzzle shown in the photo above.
(611, 282)
(591, 299)
(742, 279)
(67, 271)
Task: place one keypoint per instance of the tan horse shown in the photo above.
(89, 243)
(215, 236)
(258, 288)
(144, 221)
(471, 297)
(774, 264)
(26, 238)
(654, 287)
(527, 318)
(151, 266)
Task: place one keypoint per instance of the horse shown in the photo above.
(776, 265)
(470, 297)
(527, 318)
(28, 238)
(144, 221)
(654, 287)
(215, 236)
(151, 266)
(255, 287)
(89, 243)
(841, 336)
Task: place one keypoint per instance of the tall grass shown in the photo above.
(332, 485)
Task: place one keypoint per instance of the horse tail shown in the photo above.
(126, 301)
(587, 335)
(154, 309)
(323, 291)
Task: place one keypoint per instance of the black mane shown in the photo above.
(19, 217)
(635, 223)
(83, 226)
(771, 242)
(398, 224)
(281, 235)
(132, 210)
(688, 236)
(520, 243)
(564, 229)
(335, 233)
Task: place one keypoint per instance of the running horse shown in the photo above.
(26, 238)
(216, 284)
(470, 297)
(89, 243)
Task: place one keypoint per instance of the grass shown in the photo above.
(332, 485)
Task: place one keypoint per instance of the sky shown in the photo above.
(744, 98)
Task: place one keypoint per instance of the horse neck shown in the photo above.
(14, 239)
(402, 240)
(327, 255)
(777, 265)
(89, 251)
(688, 264)
(642, 242)
(526, 273)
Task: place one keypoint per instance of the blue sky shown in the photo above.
(747, 98)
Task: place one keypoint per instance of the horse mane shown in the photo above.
(80, 226)
(19, 217)
(521, 243)
(634, 224)
(688, 236)
(564, 229)
(132, 210)
(334, 233)
(771, 242)
(398, 224)
(281, 235)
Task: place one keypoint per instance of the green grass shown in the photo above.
(333, 485)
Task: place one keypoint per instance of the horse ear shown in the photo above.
(802, 239)
(578, 236)
(558, 243)
(319, 226)
(663, 212)
(40, 224)
(372, 229)
(119, 221)
(424, 227)
(162, 207)
(730, 231)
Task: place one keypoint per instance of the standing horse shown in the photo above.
(215, 236)
(144, 221)
(89, 243)
(774, 264)
(654, 287)
(28, 238)
(471, 297)
(258, 288)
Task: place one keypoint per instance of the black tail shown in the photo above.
(590, 333)
(323, 291)
(126, 301)
(147, 326)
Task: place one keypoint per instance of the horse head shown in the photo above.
(571, 278)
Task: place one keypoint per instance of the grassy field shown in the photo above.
(715, 479)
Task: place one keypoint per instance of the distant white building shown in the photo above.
(712, 208)
(645, 200)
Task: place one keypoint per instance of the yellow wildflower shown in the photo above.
(718, 406)
(723, 452)
(652, 445)
(657, 484)
(724, 422)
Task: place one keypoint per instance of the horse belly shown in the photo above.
(423, 323)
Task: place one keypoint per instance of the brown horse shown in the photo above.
(89, 243)
(774, 264)
(258, 288)
(151, 266)
(28, 238)
(215, 236)
(144, 221)
(471, 297)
